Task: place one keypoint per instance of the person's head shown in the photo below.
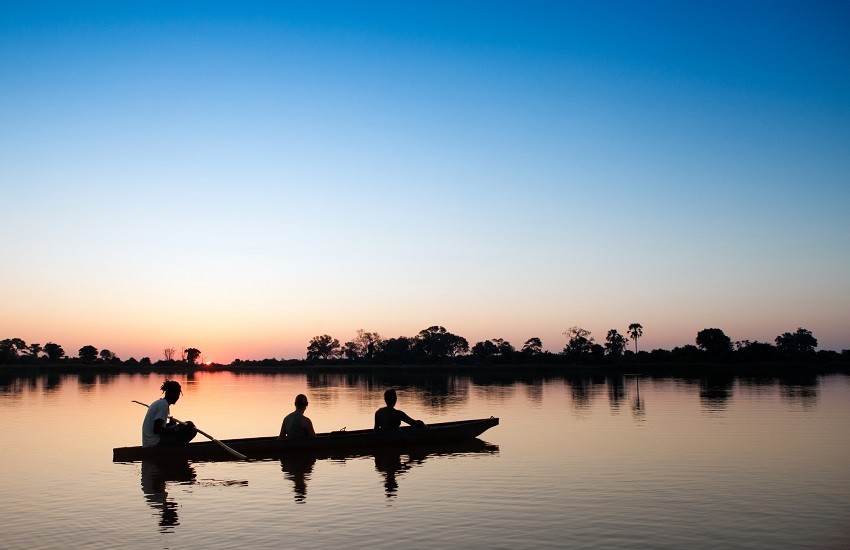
(390, 397)
(172, 391)
(301, 401)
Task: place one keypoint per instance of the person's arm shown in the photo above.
(282, 431)
(160, 427)
(412, 422)
(377, 420)
(308, 427)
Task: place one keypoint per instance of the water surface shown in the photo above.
(603, 462)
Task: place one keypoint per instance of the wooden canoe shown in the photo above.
(342, 441)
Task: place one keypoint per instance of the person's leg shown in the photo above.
(182, 435)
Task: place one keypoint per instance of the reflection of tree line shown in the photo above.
(439, 392)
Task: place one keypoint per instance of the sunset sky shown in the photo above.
(241, 176)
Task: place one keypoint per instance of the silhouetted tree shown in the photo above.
(192, 355)
(503, 347)
(800, 342)
(33, 350)
(168, 353)
(9, 349)
(106, 355)
(368, 343)
(714, 341)
(88, 354)
(364, 345)
(8, 353)
(615, 343)
(532, 346)
(635, 331)
(436, 342)
(484, 349)
(754, 351)
(54, 351)
(497, 347)
(580, 341)
(686, 353)
(145, 361)
(395, 350)
(323, 347)
(350, 351)
(597, 352)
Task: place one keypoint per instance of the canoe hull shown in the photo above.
(335, 442)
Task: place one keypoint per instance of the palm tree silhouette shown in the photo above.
(635, 332)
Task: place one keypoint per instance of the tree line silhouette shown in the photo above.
(435, 344)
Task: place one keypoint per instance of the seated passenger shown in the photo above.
(390, 418)
(158, 428)
(295, 424)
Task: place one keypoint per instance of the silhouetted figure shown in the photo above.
(390, 418)
(295, 424)
(297, 468)
(158, 428)
(154, 479)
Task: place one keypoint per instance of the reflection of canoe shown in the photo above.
(392, 461)
(342, 442)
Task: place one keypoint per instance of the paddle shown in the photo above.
(237, 454)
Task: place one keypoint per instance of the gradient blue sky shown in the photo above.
(239, 177)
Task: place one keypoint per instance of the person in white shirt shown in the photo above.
(158, 428)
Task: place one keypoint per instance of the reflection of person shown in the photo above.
(154, 478)
(295, 424)
(297, 468)
(158, 428)
(390, 418)
(389, 463)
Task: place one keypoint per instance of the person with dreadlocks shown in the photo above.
(158, 428)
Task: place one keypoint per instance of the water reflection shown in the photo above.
(439, 391)
(616, 392)
(638, 405)
(158, 476)
(297, 468)
(800, 389)
(391, 462)
(534, 392)
(155, 477)
(715, 392)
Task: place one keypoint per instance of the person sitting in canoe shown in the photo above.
(295, 424)
(158, 428)
(390, 418)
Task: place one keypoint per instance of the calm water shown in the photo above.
(616, 463)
